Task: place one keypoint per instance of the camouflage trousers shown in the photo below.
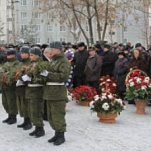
(9, 101)
(36, 111)
(56, 115)
(22, 105)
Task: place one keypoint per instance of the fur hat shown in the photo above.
(121, 53)
(81, 44)
(36, 51)
(24, 49)
(10, 51)
(56, 45)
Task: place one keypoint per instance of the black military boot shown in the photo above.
(12, 120)
(33, 132)
(28, 124)
(60, 139)
(6, 120)
(40, 132)
(22, 125)
(54, 138)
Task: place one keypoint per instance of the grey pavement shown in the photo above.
(131, 132)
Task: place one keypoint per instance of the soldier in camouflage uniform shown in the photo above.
(55, 92)
(34, 94)
(22, 103)
(8, 89)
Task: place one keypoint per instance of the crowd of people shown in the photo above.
(67, 66)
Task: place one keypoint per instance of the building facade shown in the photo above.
(22, 22)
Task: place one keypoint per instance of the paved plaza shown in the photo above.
(84, 133)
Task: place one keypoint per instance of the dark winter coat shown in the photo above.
(93, 68)
(2, 57)
(140, 63)
(108, 63)
(120, 72)
(100, 52)
(79, 62)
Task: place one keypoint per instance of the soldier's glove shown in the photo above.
(44, 73)
(19, 83)
(26, 78)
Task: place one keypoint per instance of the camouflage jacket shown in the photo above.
(58, 73)
(8, 72)
(33, 92)
(21, 89)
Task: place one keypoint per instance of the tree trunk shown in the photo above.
(106, 18)
(90, 23)
(97, 20)
(80, 26)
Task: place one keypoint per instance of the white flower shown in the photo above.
(103, 89)
(105, 106)
(114, 84)
(91, 104)
(138, 80)
(69, 97)
(131, 84)
(149, 85)
(96, 98)
(119, 101)
(110, 96)
(102, 83)
(143, 88)
(103, 94)
(146, 79)
(103, 97)
(130, 80)
(108, 80)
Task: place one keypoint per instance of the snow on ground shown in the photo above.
(84, 133)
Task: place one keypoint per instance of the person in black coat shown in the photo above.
(108, 61)
(93, 69)
(120, 72)
(79, 63)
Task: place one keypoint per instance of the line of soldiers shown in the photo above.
(26, 85)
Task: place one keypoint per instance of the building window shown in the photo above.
(87, 28)
(125, 29)
(49, 40)
(37, 40)
(23, 15)
(36, 28)
(23, 27)
(49, 28)
(62, 39)
(49, 15)
(62, 28)
(36, 15)
(23, 2)
(35, 2)
(125, 40)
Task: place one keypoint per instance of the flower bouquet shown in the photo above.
(35, 69)
(83, 94)
(107, 106)
(108, 84)
(138, 87)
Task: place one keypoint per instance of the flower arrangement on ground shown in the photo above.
(83, 94)
(108, 84)
(107, 103)
(138, 86)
